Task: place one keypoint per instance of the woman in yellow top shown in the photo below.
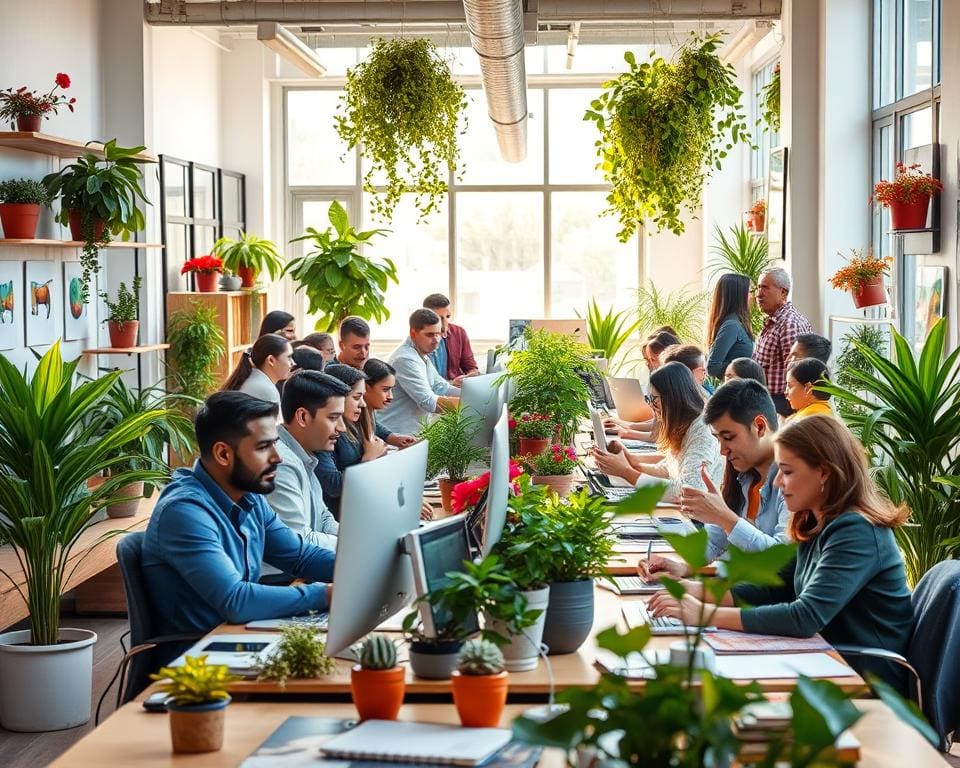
(802, 377)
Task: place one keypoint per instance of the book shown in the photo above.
(723, 641)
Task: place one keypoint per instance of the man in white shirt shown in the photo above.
(420, 389)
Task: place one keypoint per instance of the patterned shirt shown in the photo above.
(779, 332)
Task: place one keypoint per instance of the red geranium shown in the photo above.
(24, 103)
(63, 80)
(203, 264)
(468, 493)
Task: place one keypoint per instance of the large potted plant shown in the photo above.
(196, 700)
(863, 277)
(121, 318)
(682, 310)
(196, 349)
(907, 196)
(664, 126)
(48, 455)
(20, 204)
(339, 280)
(403, 108)
(98, 200)
(25, 110)
(451, 449)
(607, 333)
(206, 271)
(249, 257)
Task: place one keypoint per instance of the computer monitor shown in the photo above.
(494, 362)
(629, 398)
(372, 578)
(435, 550)
(575, 327)
(599, 435)
(481, 396)
(498, 490)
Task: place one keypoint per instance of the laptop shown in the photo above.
(629, 398)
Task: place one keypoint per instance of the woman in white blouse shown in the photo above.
(687, 444)
(261, 368)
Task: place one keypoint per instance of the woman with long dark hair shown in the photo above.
(686, 443)
(279, 322)
(262, 367)
(729, 335)
(381, 379)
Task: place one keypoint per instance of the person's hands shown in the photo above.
(658, 566)
(373, 448)
(707, 506)
(401, 441)
(426, 511)
(612, 463)
(688, 610)
(457, 381)
(611, 422)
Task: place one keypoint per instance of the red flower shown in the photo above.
(63, 80)
(205, 264)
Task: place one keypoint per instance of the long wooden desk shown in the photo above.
(133, 737)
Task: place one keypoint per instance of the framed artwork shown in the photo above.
(930, 303)
(76, 314)
(42, 303)
(777, 203)
(11, 304)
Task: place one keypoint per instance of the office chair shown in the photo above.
(933, 655)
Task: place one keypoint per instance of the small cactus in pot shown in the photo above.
(377, 682)
(480, 684)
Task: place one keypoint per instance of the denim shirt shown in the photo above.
(770, 526)
(202, 554)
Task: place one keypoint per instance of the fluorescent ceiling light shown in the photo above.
(283, 42)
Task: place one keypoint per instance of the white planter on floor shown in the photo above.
(46, 687)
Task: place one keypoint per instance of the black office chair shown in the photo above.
(933, 655)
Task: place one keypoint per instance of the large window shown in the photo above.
(765, 137)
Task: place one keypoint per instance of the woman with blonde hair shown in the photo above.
(848, 581)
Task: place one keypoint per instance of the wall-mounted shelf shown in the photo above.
(919, 241)
(29, 141)
(125, 350)
(39, 243)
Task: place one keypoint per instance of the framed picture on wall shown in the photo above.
(777, 203)
(11, 304)
(42, 303)
(76, 314)
(930, 303)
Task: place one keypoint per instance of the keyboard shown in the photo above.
(634, 585)
(636, 615)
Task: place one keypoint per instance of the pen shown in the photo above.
(649, 548)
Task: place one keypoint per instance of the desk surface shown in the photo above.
(134, 737)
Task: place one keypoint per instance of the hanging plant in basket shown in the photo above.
(770, 101)
(664, 126)
(402, 106)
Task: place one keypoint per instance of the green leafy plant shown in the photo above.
(378, 652)
(907, 413)
(769, 97)
(744, 254)
(196, 682)
(301, 653)
(664, 126)
(480, 657)
(556, 460)
(337, 279)
(576, 535)
(402, 107)
(519, 548)
(251, 252)
(124, 309)
(24, 192)
(451, 447)
(851, 359)
(98, 190)
(682, 310)
(196, 348)
(607, 333)
(48, 452)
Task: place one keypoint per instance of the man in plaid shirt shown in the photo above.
(780, 330)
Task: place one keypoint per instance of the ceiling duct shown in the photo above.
(496, 34)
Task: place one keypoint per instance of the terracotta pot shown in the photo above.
(248, 275)
(532, 446)
(909, 215)
(29, 123)
(562, 485)
(123, 335)
(759, 220)
(206, 282)
(127, 508)
(76, 230)
(197, 728)
(870, 294)
(19, 220)
(479, 698)
(446, 493)
(377, 693)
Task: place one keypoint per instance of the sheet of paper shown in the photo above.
(746, 666)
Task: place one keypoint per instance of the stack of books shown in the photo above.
(758, 725)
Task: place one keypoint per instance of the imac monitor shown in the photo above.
(499, 487)
(481, 396)
(372, 577)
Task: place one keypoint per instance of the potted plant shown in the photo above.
(197, 700)
(47, 457)
(907, 196)
(301, 653)
(377, 682)
(338, 280)
(196, 348)
(757, 216)
(480, 684)
(607, 333)
(20, 204)
(205, 269)
(533, 432)
(249, 257)
(664, 126)
(403, 107)
(863, 277)
(121, 316)
(230, 282)
(682, 310)
(554, 468)
(770, 103)
(851, 363)
(451, 449)
(98, 200)
(25, 110)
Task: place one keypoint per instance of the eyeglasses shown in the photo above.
(651, 400)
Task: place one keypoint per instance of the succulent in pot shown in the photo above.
(480, 684)
(377, 682)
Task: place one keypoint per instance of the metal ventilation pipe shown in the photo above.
(496, 34)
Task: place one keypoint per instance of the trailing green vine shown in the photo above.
(196, 348)
(664, 126)
(402, 106)
(770, 101)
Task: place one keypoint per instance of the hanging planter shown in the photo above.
(909, 215)
(907, 196)
(869, 294)
(863, 278)
(402, 107)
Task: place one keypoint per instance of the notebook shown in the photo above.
(397, 742)
(745, 642)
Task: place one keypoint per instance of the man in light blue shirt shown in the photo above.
(420, 390)
(211, 529)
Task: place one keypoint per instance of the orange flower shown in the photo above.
(860, 269)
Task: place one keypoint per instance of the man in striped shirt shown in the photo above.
(780, 330)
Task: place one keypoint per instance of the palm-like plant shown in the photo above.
(682, 310)
(249, 252)
(48, 451)
(744, 254)
(451, 447)
(908, 416)
(608, 333)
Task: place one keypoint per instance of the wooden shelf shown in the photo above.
(13, 242)
(125, 350)
(29, 141)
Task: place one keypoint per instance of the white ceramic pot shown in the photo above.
(46, 687)
(522, 652)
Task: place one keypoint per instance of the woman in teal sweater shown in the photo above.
(848, 582)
